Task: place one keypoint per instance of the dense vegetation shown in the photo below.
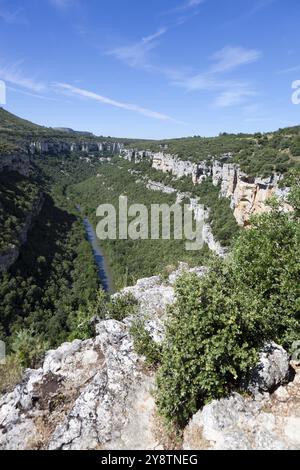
(18, 195)
(220, 321)
(55, 276)
(130, 259)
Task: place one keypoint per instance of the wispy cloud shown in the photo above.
(234, 96)
(187, 5)
(13, 74)
(255, 8)
(229, 58)
(230, 91)
(135, 54)
(33, 95)
(296, 68)
(111, 102)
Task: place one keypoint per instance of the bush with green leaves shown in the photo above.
(122, 306)
(144, 344)
(28, 347)
(220, 321)
(116, 308)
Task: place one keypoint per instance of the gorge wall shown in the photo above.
(57, 146)
(201, 215)
(16, 161)
(248, 195)
(11, 254)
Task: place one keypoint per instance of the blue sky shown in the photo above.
(152, 69)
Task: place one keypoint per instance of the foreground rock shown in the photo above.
(262, 422)
(97, 394)
(92, 394)
(88, 395)
(271, 371)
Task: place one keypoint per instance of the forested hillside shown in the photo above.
(55, 274)
(257, 154)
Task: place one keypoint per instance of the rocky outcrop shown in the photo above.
(93, 394)
(16, 161)
(57, 146)
(248, 196)
(83, 397)
(97, 394)
(200, 214)
(263, 421)
(11, 254)
(272, 370)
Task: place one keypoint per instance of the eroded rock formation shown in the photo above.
(248, 196)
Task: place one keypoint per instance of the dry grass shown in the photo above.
(10, 374)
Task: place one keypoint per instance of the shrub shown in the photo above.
(28, 347)
(80, 322)
(122, 306)
(144, 345)
(220, 321)
(10, 373)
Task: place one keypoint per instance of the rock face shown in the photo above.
(260, 422)
(200, 214)
(18, 161)
(57, 146)
(8, 257)
(271, 371)
(88, 395)
(248, 196)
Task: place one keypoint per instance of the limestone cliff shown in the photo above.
(57, 146)
(247, 195)
(200, 214)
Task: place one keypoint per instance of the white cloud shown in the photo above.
(153, 36)
(234, 96)
(33, 95)
(193, 3)
(187, 5)
(230, 92)
(229, 58)
(111, 102)
(135, 54)
(13, 74)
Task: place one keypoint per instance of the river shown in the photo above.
(101, 263)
